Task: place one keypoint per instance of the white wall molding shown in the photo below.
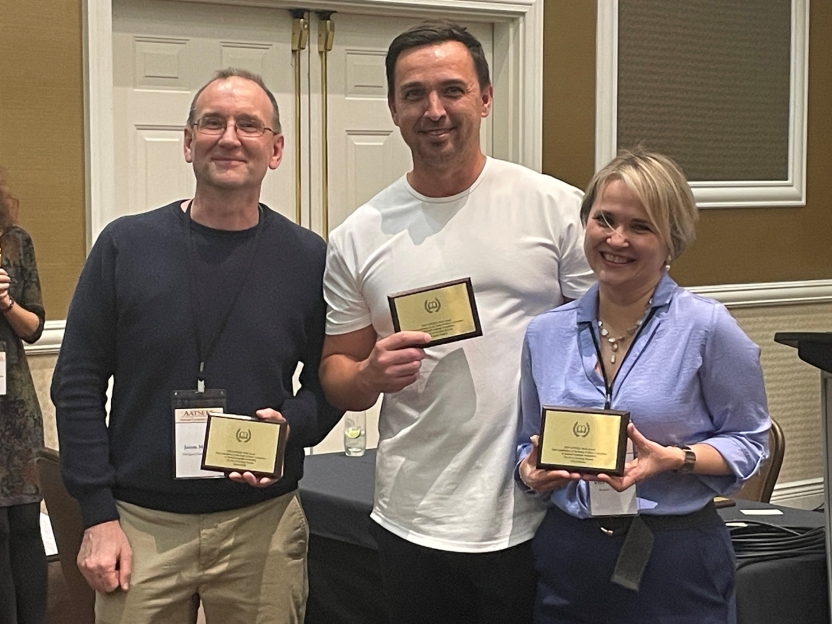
(483, 8)
(518, 50)
(730, 295)
(50, 340)
(769, 293)
(806, 494)
(99, 139)
(721, 194)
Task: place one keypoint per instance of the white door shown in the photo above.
(163, 52)
(365, 150)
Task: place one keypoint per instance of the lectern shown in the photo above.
(816, 349)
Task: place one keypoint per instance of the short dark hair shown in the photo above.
(433, 32)
(233, 72)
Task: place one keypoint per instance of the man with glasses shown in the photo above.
(209, 304)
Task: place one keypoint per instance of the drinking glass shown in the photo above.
(355, 434)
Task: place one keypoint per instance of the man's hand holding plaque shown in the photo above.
(249, 450)
(447, 311)
(583, 440)
(394, 362)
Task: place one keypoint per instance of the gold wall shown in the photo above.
(42, 135)
(42, 146)
(733, 246)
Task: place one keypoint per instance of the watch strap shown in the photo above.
(690, 460)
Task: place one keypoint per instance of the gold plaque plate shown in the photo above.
(244, 444)
(448, 311)
(584, 440)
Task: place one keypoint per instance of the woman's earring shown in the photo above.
(667, 263)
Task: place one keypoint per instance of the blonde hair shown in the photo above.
(662, 189)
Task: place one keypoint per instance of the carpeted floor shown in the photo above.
(59, 609)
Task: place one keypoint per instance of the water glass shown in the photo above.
(355, 433)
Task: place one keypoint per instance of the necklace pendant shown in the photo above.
(612, 358)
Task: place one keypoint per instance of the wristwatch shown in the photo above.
(690, 460)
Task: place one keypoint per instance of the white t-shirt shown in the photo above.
(444, 468)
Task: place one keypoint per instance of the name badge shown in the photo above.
(605, 501)
(190, 419)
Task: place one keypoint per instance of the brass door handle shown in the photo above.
(326, 37)
(300, 37)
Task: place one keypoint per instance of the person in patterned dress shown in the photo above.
(22, 556)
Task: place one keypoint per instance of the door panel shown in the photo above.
(366, 151)
(163, 52)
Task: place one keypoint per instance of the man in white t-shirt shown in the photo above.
(453, 530)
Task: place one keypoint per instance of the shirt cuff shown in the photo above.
(98, 507)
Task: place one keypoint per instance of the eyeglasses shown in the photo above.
(247, 127)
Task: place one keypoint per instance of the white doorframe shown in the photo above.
(517, 76)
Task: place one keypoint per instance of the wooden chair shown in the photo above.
(65, 517)
(761, 485)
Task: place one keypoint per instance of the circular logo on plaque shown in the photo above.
(581, 430)
(243, 435)
(432, 306)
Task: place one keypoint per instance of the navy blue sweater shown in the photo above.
(131, 319)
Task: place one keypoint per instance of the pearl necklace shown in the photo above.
(615, 343)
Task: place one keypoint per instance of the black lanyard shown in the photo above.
(608, 384)
(203, 355)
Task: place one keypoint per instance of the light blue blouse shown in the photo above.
(692, 375)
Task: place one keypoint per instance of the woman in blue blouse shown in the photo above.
(692, 382)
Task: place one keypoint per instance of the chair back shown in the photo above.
(761, 485)
(65, 517)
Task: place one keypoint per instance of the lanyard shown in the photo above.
(204, 354)
(608, 384)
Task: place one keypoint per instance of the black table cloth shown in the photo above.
(345, 582)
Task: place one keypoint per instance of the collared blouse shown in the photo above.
(691, 376)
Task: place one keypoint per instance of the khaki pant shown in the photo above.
(247, 566)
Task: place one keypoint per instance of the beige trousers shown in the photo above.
(246, 566)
